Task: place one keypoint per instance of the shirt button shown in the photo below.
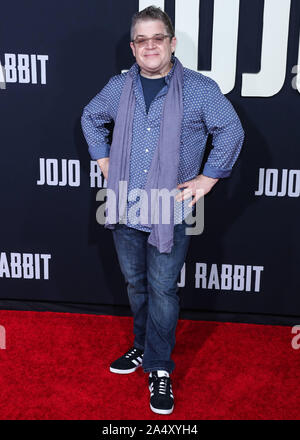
(145, 171)
(148, 128)
(146, 150)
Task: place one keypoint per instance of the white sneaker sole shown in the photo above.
(162, 411)
(131, 370)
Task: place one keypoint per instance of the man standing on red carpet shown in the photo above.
(163, 114)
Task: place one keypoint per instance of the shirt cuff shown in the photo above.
(99, 152)
(215, 173)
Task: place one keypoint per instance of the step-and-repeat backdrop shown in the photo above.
(55, 57)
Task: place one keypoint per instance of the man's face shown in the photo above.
(152, 56)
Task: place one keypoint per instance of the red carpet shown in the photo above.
(56, 366)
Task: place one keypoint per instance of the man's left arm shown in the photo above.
(222, 122)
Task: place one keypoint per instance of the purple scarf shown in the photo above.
(163, 171)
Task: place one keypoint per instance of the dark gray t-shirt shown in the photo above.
(151, 87)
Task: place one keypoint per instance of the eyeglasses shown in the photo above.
(157, 39)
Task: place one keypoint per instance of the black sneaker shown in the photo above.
(161, 398)
(129, 362)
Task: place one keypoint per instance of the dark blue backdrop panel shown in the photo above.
(57, 56)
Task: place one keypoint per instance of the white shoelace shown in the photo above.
(131, 353)
(162, 385)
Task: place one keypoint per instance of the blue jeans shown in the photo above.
(151, 278)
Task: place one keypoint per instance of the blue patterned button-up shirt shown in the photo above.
(205, 111)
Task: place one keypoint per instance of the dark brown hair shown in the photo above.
(152, 13)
